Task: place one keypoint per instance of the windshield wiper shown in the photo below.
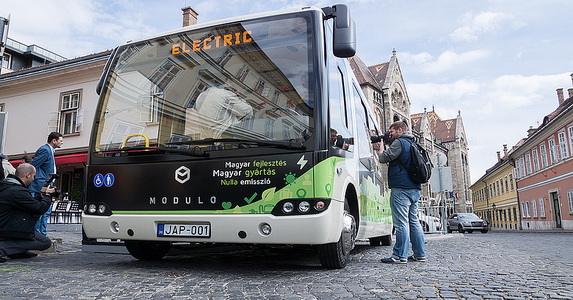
(278, 144)
(192, 152)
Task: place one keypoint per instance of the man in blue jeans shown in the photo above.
(45, 163)
(404, 197)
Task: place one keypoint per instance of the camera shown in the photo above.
(50, 183)
(386, 138)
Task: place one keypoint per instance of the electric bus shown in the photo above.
(250, 130)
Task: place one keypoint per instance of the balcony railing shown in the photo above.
(34, 49)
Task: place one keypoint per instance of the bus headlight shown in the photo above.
(288, 207)
(304, 207)
(98, 209)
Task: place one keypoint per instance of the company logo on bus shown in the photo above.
(217, 41)
(182, 174)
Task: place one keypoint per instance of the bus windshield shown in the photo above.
(243, 81)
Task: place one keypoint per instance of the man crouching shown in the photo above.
(19, 212)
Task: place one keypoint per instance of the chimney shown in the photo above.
(560, 95)
(570, 91)
(531, 131)
(505, 149)
(498, 156)
(189, 16)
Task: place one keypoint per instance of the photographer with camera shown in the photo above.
(404, 196)
(19, 211)
(45, 164)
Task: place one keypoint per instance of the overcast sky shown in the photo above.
(497, 62)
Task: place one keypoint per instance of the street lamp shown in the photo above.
(493, 206)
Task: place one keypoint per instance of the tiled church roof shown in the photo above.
(373, 75)
(444, 130)
(379, 71)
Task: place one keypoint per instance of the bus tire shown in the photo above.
(147, 250)
(336, 255)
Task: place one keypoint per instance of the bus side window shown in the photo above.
(373, 132)
(362, 131)
(340, 117)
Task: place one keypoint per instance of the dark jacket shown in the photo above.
(398, 157)
(19, 211)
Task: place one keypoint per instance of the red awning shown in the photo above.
(71, 158)
(61, 160)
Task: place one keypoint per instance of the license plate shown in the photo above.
(187, 230)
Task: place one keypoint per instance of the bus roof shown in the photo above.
(225, 21)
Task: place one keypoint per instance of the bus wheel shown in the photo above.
(147, 250)
(336, 255)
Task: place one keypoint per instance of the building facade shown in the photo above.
(494, 195)
(383, 85)
(54, 97)
(385, 89)
(544, 170)
(448, 138)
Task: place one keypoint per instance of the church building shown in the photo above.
(384, 86)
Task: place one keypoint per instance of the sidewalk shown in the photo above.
(65, 237)
(496, 230)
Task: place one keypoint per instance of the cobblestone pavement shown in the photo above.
(468, 266)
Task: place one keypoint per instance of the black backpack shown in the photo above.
(420, 168)
(1, 171)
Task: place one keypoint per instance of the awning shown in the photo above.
(71, 158)
(61, 159)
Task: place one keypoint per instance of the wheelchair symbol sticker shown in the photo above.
(107, 180)
(98, 180)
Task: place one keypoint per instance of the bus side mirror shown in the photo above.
(344, 44)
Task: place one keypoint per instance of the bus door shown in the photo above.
(371, 185)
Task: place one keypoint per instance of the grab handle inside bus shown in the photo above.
(127, 138)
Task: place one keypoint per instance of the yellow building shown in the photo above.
(494, 195)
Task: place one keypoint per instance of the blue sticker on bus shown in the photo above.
(98, 180)
(108, 179)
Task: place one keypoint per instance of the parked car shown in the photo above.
(469, 222)
(429, 224)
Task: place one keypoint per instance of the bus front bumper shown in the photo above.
(224, 228)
